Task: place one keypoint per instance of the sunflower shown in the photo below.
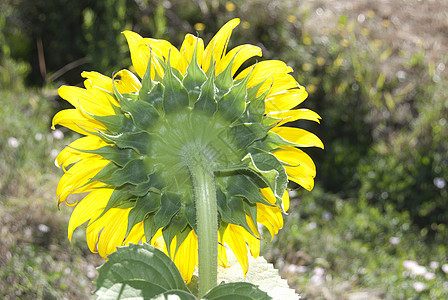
(142, 135)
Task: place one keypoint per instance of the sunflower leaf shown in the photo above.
(139, 262)
(237, 290)
(131, 289)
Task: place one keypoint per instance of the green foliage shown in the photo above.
(357, 245)
(144, 272)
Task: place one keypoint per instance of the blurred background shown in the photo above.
(375, 225)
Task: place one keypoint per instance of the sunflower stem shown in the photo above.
(206, 217)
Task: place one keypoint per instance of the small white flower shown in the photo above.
(434, 265)
(445, 268)
(414, 267)
(57, 134)
(54, 153)
(44, 228)
(13, 142)
(429, 276)
(394, 240)
(419, 286)
(38, 136)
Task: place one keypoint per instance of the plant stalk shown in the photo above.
(207, 220)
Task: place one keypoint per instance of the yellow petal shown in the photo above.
(187, 50)
(263, 70)
(76, 121)
(222, 253)
(271, 217)
(252, 241)
(139, 55)
(285, 100)
(241, 54)
(299, 136)
(305, 181)
(126, 82)
(136, 234)
(114, 231)
(234, 237)
(98, 80)
(296, 114)
(218, 45)
(78, 175)
(186, 257)
(285, 201)
(94, 101)
(69, 155)
(298, 159)
(87, 208)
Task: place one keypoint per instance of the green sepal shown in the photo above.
(114, 154)
(116, 123)
(232, 211)
(134, 172)
(166, 65)
(233, 104)
(237, 290)
(274, 141)
(175, 96)
(251, 211)
(175, 227)
(224, 80)
(104, 173)
(194, 78)
(147, 82)
(139, 262)
(155, 96)
(142, 113)
(190, 213)
(169, 206)
(207, 98)
(138, 141)
(242, 186)
(245, 134)
(270, 170)
(256, 108)
(143, 206)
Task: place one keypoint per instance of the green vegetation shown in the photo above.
(381, 194)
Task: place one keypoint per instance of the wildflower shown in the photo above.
(142, 138)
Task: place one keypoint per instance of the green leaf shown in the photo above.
(131, 289)
(143, 206)
(175, 96)
(237, 290)
(181, 295)
(139, 262)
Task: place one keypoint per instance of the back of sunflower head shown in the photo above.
(190, 156)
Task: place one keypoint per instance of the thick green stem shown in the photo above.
(207, 220)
